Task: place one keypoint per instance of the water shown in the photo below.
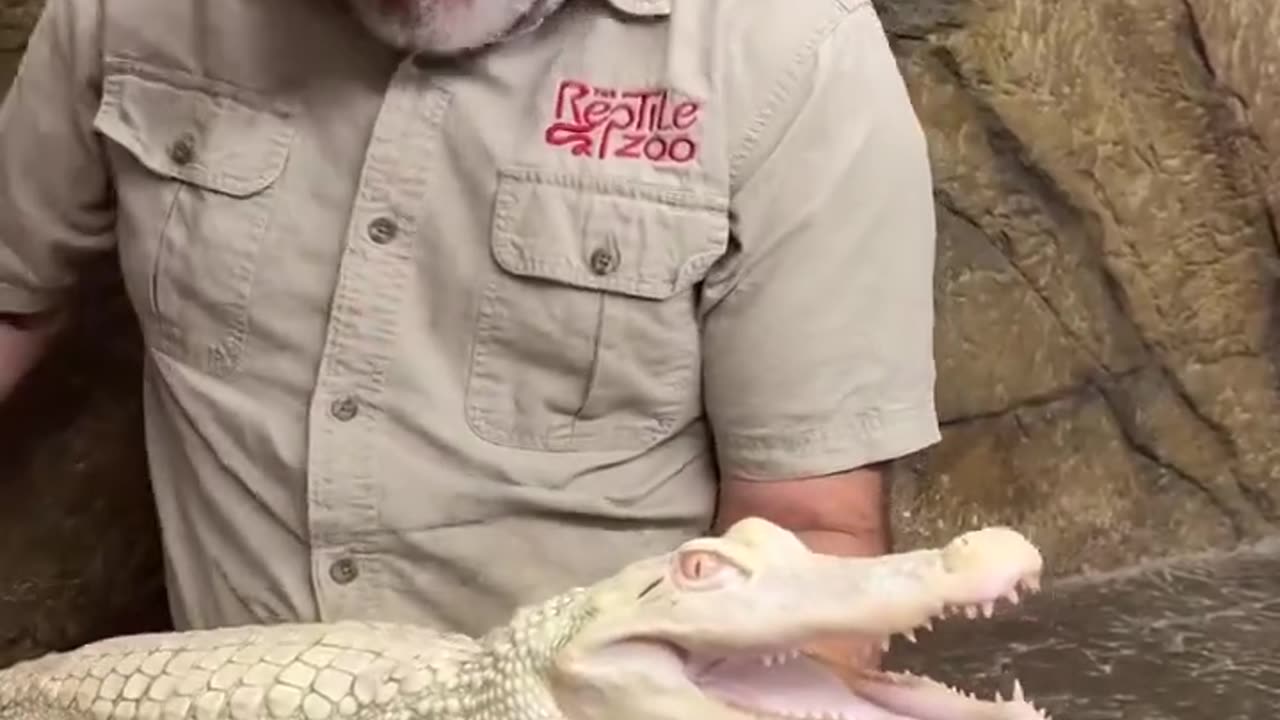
(1197, 639)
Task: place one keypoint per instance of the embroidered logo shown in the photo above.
(653, 125)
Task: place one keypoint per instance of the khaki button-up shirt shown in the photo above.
(428, 339)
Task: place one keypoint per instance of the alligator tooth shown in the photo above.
(1018, 696)
(909, 635)
(988, 608)
(1012, 596)
(971, 611)
(886, 644)
(778, 658)
(927, 624)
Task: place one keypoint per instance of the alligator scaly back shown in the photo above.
(303, 670)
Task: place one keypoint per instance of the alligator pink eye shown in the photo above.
(703, 569)
(698, 564)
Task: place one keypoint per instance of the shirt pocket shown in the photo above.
(587, 334)
(196, 164)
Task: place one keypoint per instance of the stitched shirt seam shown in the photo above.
(796, 71)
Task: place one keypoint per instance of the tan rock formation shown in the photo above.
(1107, 330)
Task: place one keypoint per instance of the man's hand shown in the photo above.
(23, 340)
(843, 514)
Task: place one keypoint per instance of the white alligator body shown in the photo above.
(676, 637)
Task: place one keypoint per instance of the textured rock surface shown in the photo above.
(16, 17)
(78, 554)
(1188, 640)
(1107, 288)
(1107, 334)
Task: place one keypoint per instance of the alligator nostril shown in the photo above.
(991, 548)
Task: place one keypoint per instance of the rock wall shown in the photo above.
(15, 17)
(1107, 331)
(1106, 294)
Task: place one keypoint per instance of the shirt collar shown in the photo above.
(645, 8)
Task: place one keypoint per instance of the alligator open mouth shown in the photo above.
(790, 685)
(717, 632)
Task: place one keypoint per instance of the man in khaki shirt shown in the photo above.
(451, 306)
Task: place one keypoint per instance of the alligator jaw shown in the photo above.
(789, 685)
(922, 698)
(799, 687)
(713, 630)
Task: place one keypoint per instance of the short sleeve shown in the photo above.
(55, 199)
(818, 332)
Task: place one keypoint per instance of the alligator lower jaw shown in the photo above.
(786, 684)
(801, 688)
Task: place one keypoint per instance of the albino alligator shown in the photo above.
(710, 631)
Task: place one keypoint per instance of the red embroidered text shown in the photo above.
(600, 122)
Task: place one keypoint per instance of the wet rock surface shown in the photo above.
(1195, 639)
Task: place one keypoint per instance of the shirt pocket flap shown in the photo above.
(199, 131)
(606, 233)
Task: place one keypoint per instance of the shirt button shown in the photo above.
(344, 408)
(382, 230)
(183, 150)
(603, 261)
(344, 571)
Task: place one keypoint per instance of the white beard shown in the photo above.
(443, 27)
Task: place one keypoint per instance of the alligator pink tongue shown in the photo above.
(799, 687)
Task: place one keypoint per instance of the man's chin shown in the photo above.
(439, 27)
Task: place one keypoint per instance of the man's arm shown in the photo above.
(818, 332)
(843, 513)
(55, 198)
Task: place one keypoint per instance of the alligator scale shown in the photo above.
(710, 631)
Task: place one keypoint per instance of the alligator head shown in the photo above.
(713, 631)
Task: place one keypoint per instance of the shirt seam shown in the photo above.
(797, 69)
(853, 440)
(16, 299)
